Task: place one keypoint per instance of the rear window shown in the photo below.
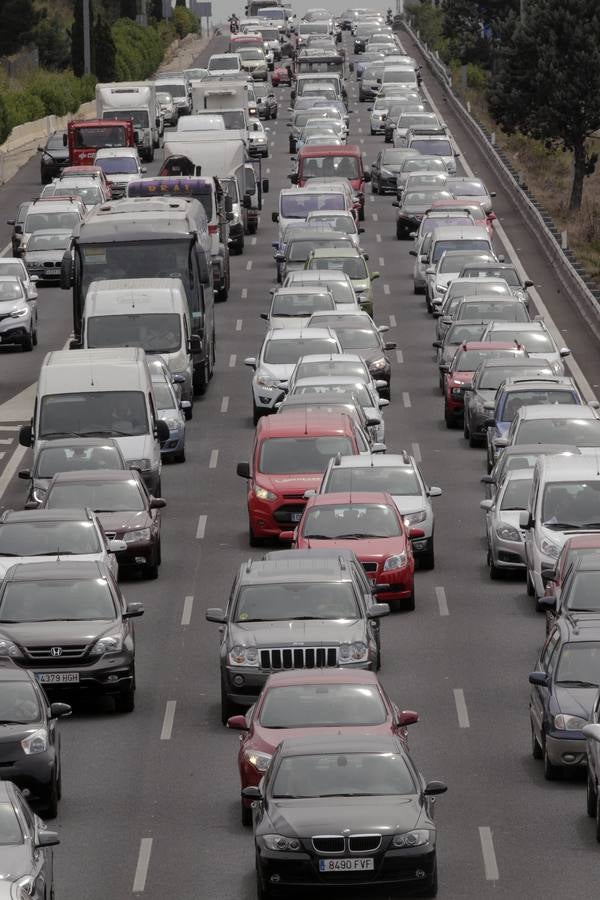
(331, 167)
(288, 352)
(516, 399)
(458, 244)
(492, 310)
(493, 377)
(575, 432)
(289, 456)
(432, 148)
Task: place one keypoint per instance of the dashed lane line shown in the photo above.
(461, 708)
(201, 529)
(186, 615)
(141, 870)
(442, 601)
(214, 459)
(167, 726)
(224, 404)
(232, 360)
(386, 289)
(399, 356)
(416, 452)
(490, 863)
(238, 325)
(244, 293)
(406, 399)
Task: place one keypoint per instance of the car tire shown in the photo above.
(591, 796)
(473, 441)
(246, 814)
(417, 289)
(252, 539)
(598, 818)
(409, 604)
(551, 772)
(151, 571)
(189, 413)
(27, 344)
(361, 213)
(450, 420)
(35, 338)
(228, 708)
(536, 750)
(399, 234)
(466, 431)
(495, 572)
(374, 188)
(51, 800)
(427, 559)
(529, 585)
(125, 700)
(180, 456)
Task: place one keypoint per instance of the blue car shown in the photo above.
(513, 394)
(172, 411)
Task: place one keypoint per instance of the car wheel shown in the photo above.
(189, 413)
(418, 289)
(449, 419)
(530, 587)
(374, 188)
(180, 456)
(427, 559)
(51, 800)
(473, 441)
(228, 708)
(252, 539)
(256, 414)
(551, 772)
(35, 338)
(125, 701)
(409, 604)
(598, 818)
(151, 571)
(495, 572)
(27, 344)
(592, 795)
(466, 431)
(246, 815)
(536, 750)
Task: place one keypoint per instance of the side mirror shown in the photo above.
(133, 610)
(25, 474)
(243, 469)
(487, 479)
(251, 793)
(412, 252)
(383, 402)
(389, 345)
(430, 270)
(540, 679)
(265, 316)
(228, 204)
(310, 493)
(293, 177)
(115, 546)
(59, 710)
(434, 491)
(26, 436)
(250, 361)
(437, 344)
(500, 443)
(247, 201)
(547, 603)
(378, 448)
(158, 503)
(407, 717)
(443, 367)
(525, 520)
(564, 351)
(65, 140)
(377, 610)
(433, 788)
(287, 536)
(46, 839)
(360, 230)
(366, 177)
(374, 276)
(143, 170)
(486, 505)
(592, 732)
(501, 257)
(162, 431)
(215, 615)
(237, 722)
(75, 344)
(527, 283)
(395, 203)
(492, 193)
(491, 423)
(274, 217)
(265, 185)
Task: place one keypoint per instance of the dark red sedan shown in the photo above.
(459, 373)
(302, 703)
(371, 526)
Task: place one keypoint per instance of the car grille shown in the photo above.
(293, 496)
(328, 844)
(44, 654)
(299, 658)
(51, 265)
(364, 843)
(370, 567)
(284, 514)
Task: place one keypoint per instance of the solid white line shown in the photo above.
(399, 356)
(406, 399)
(201, 529)
(253, 241)
(6, 440)
(11, 467)
(489, 854)
(386, 289)
(392, 321)
(238, 325)
(378, 238)
(224, 404)
(267, 171)
(3, 251)
(381, 261)
(141, 870)
(461, 708)
(244, 293)
(416, 452)
(167, 727)
(9, 427)
(186, 616)
(375, 217)
(440, 595)
(249, 265)
(359, 129)
(232, 360)
(214, 459)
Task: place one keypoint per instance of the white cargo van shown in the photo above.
(135, 100)
(151, 313)
(100, 393)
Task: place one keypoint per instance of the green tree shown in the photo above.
(77, 38)
(18, 18)
(463, 27)
(4, 127)
(53, 44)
(129, 9)
(105, 51)
(547, 83)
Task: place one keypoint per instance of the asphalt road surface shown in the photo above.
(151, 800)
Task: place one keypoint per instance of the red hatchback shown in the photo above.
(334, 162)
(289, 456)
(459, 373)
(371, 526)
(311, 703)
(485, 220)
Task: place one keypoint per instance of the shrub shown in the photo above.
(185, 22)
(4, 128)
(477, 77)
(23, 106)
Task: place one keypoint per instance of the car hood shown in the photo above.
(366, 549)
(7, 561)
(458, 379)
(124, 521)
(287, 322)
(9, 306)
(34, 634)
(575, 701)
(16, 861)
(270, 738)
(316, 632)
(290, 484)
(370, 355)
(280, 372)
(408, 503)
(364, 815)
(42, 255)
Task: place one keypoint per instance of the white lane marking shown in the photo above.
(392, 321)
(167, 726)
(6, 440)
(2, 454)
(416, 452)
(267, 171)
(232, 360)
(359, 130)
(9, 427)
(11, 467)
(4, 249)
(489, 854)
(141, 870)
(214, 459)
(461, 708)
(386, 289)
(406, 399)
(372, 199)
(375, 217)
(186, 615)
(378, 238)
(244, 293)
(440, 596)
(249, 265)
(381, 261)
(362, 140)
(238, 325)
(224, 404)
(253, 241)
(399, 356)
(201, 529)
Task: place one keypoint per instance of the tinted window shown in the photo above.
(288, 456)
(10, 830)
(579, 663)
(458, 244)
(280, 602)
(288, 352)
(116, 496)
(358, 338)
(18, 703)
(312, 705)
(354, 266)
(48, 538)
(516, 399)
(574, 503)
(154, 332)
(56, 600)
(298, 206)
(583, 595)
(118, 165)
(516, 494)
(385, 479)
(72, 459)
(350, 521)
(347, 775)
(492, 378)
(577, 432)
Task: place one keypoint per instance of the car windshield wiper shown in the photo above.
(56, 552)
(357, 535)
(575, 682)
(353, 794)
(12, 722)
(561, 525)
(319, 537)
(13, 554)
(99, 432)
(53, 434)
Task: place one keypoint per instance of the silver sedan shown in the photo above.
(505, 546)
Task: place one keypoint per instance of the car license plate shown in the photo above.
(346, 865)
(296, 517)
(57, 677)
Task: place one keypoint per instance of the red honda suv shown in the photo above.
(459, 373)
(289, 456)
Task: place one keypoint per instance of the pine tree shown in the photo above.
(105, 51)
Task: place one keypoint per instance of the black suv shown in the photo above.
(294, 610)
(55, 156)
(563, 690)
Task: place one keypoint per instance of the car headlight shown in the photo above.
(110, 643)
(379, 363)
(507, 532)
(398, 561)
(243, 656)
(139, 534)
(385, 172)
(549, 548)
(258, 759)
(141, 464)
(414, 518)
(39, 495)
(8, 648)
(266, 381)
(172, 424)
(263, 494)
(35, 743)
(411, 838)
(569, 723)
(354, 652)
(19, 313)
(279, 842)
(24, 887)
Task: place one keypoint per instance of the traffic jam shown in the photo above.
(275, 272)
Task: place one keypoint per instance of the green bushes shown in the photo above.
(185, 22)
(43, 94)
(23, 106)
(139, 51)
(4, 129)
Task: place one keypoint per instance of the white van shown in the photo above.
(100, 393)
(152, 313)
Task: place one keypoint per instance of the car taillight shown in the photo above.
(213, 229)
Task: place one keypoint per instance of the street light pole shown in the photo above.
(87, 52)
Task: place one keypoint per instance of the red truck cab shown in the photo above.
(333, 162)
(84, 138)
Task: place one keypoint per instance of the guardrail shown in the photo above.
(539, 223)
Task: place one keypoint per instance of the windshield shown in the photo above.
(491, 378)
(73, 459)
(339, 521)
(175, 90)
(534, 397)
(533, 341)
(469, 360)
(326, 367)
(55, 141)
(459, 333)
(294, 456)
(583, 594)
(301, 304)
(422, 200)
(16, 267)
(163, 396)
(118, 165)
(282, 602)
(298, 206)
(459, 244)
(509, 275)
(575, 503)
(101, 496)
(318, 705)
(11, 290)
(330, 167)
(468, 189)
(460, 288)
(579, 664)
(354, 266)
(41, 241)
(250, 53)
(490, 310)
(57, 600)
(48, 538)
(343, 775)
(288, 351)
(90, 195)
(134, 259)
(432, 148)
(358, 339)
(42, 221)
(223, 63)
(19, 705)
(139, 117)
(91, 137)
(345, 224)
(577, 432)
(299, 251)
(93, 414)
(357, 391)
(394, 480)
(154, 332)
(516, 494)
(399, 76)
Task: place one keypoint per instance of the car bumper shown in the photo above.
(266, 397)
(106, 675)
(568, 751)
(387, 183)
(138, 553)
(15, 334)
(401, 585)
(507, 554)
(455, 407)
(43, 270)
(175, 444)
(269, 519)
(243, 684)
(377, 126)
(31, 773)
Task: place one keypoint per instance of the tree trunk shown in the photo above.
(579, 171)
